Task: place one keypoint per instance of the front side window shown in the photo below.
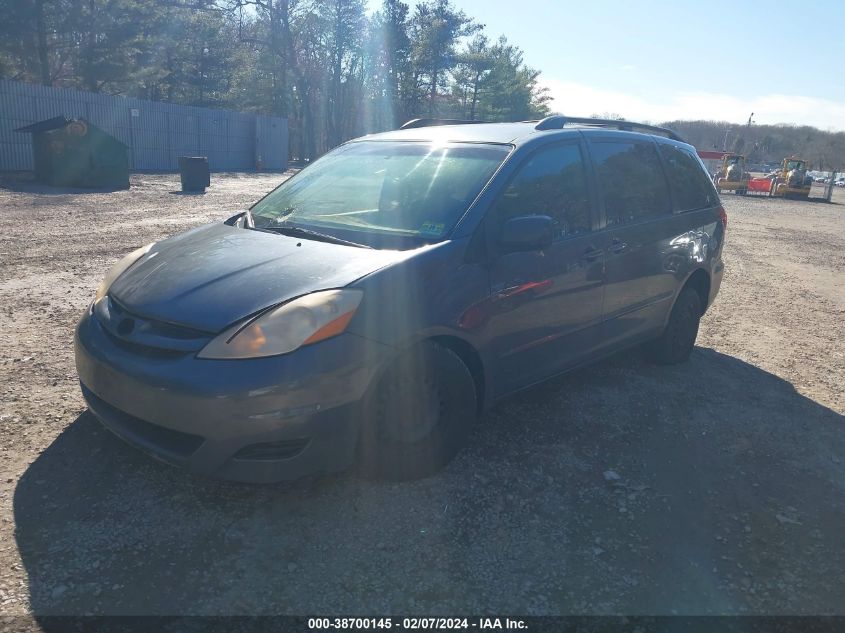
(385, 188)
(632, 181)
(691, 186)
(553, 182)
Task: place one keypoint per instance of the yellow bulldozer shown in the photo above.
(791, 180)
(732, 175)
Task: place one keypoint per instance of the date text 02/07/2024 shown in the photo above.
(414, 624)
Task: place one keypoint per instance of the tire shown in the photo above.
(678, 339)
(418, 416)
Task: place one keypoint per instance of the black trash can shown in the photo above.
(194, 173)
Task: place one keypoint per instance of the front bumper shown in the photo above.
(257, 420)
(732, 185)
(783, 189)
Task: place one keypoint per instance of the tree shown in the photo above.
(287, 35)
(107, 37)
(513, 92)
(771, 143)
(333, 72)
(345, 20)
(474, 66)
(388, 66)
(34, 39)
(187, 57)
(436, 29)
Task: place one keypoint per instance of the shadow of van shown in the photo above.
(711, 487)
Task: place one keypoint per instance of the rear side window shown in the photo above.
(631, 180)
(691, 186)
(553, 182)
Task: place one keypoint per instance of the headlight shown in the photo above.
(119, 268)
(303, 321)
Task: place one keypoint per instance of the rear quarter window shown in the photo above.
(690, 184)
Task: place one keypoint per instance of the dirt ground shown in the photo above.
(714, 487)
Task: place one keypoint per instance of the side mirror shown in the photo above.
(527, 233)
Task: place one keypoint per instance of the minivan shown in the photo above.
(369, 308)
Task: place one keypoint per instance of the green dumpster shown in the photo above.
(76, 153)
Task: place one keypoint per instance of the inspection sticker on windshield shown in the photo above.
(433, 229)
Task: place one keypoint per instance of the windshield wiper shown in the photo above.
(298, 231)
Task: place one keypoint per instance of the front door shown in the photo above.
(545, 304)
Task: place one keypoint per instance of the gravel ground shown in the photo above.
(714, 487)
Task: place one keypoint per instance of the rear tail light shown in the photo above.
(723, 217)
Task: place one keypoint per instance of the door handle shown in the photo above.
(617, 246)
(592, 253)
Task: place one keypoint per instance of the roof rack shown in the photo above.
(556, 122)
(414, 123)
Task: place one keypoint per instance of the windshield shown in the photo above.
(795, 164)
(387, 188)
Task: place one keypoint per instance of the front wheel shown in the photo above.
(419, 415)
(678, 339)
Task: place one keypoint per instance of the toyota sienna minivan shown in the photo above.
(370, 307)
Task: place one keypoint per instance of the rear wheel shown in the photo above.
(678, 339)
(419, 414)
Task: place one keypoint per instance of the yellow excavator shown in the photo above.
(732, 175)
(791, 180)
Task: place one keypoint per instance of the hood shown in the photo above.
(208, 278)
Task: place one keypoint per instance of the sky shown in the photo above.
(660, 61)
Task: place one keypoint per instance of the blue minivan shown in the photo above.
(370, 307)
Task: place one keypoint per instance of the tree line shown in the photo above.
(332, 69)
(767, 144)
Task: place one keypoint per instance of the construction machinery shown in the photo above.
(791, 180)
(732, 175)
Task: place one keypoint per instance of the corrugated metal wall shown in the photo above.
(156, 133)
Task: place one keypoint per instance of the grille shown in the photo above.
(147, 351)
(147, 337)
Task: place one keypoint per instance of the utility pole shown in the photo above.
(748, 153)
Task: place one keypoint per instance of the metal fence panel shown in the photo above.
(156, 133)
(271, 141)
